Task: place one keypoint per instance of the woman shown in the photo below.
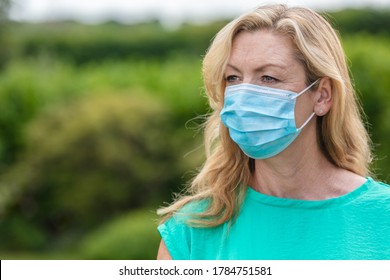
(286, 175)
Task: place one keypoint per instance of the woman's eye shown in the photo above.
(269, 79)
(232, 79)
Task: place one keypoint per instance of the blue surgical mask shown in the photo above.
(261, 120)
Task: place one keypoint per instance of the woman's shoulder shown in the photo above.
(180, 235)
(378, 186)
(377, 191)
(187, 212)
(181, 219)
(196, 206)
(384, 186)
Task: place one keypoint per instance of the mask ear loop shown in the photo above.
(307, 121)
(299, 94)
(304, 90)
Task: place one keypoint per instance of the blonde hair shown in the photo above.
(343, 138)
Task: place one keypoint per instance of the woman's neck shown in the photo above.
(307, 175)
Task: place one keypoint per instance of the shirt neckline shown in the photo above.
(309, 204)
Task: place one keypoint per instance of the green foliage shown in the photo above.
(28, 87)
(372, 21)
(131, 236)
(22, 234)
(88, 161)
(82, 44)
(370, 66)
(4, 47)
(91, 143)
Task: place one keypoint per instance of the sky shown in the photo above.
(171, 12)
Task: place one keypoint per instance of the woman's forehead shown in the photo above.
(260, 48)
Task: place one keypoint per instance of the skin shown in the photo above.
(163, 253)
(301, 171)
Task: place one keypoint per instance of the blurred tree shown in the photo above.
(85, 43)
(371, 21)
(370, 66)
(130, 236)
(87, 162)
(4, 8)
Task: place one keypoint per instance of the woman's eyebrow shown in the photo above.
(233, 67)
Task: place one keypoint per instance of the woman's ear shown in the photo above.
(323, 97)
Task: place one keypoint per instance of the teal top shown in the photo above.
(353, 226)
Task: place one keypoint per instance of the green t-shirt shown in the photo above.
(353, 226)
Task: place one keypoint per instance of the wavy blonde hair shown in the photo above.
(343, 138)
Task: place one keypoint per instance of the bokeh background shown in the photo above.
(100, 113)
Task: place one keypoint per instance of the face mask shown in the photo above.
(261, 120)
